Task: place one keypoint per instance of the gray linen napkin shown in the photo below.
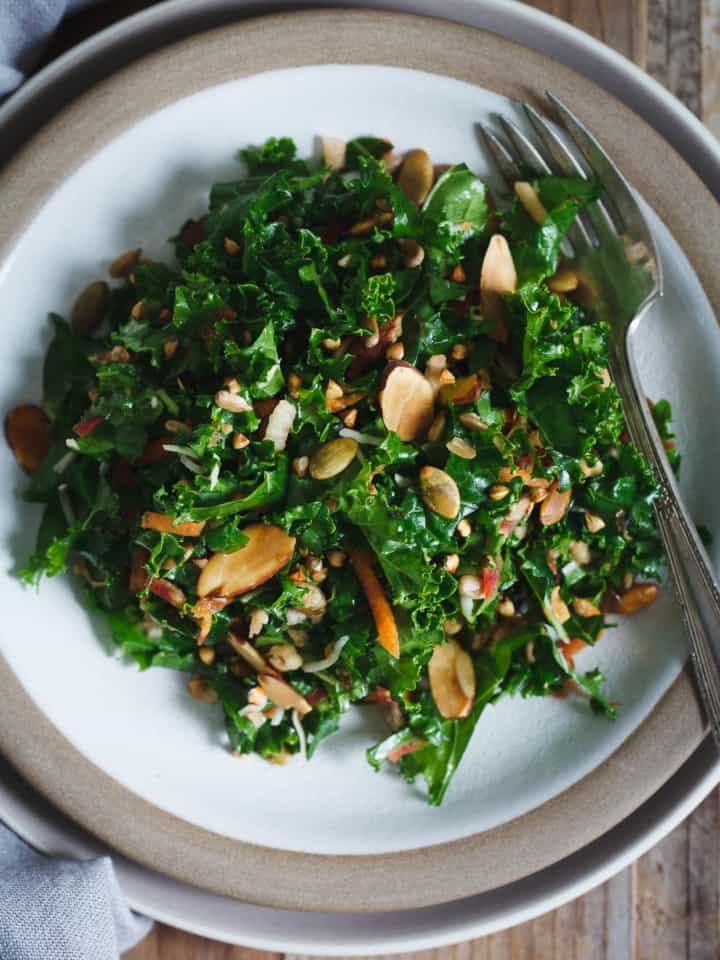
(53, 909)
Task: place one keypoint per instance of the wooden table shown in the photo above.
(667, 905)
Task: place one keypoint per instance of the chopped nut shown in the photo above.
(565, 280)
(498, 492)
(231, 247)
(585, 608)
(122, 266)
(471, 586)
(300, 465)
(240, 441)
(472, 421)
(458, 274)
(207, 655)
(170, 348)
(639, 596)
(452, 562)
(336, 558)
(594, 523)
(378, 262)
(446, 378)
(506, 608)
(284, 657)
(201, 690)
(558, 606)
(232, 402)
(436, 427)
(333, 150)
(497, 277)
(527, 195)
(331, 344)
(452, 627)
(363, 227)
(258, 619)
(464, 529)
(257, 697)
(177, 426)
(349, 418)
(459, 351)
(283, 695)
(580, 552)
(298, 637)
(294, 382)
(461, 448)
(137, 310)
(166, 524)
(280, 424)
(605, 380)
(396, 351)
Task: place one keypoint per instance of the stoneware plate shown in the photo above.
(130, 756)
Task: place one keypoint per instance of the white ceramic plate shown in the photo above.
(535, 30)
(142, 729)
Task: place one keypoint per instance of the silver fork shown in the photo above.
(612, 247)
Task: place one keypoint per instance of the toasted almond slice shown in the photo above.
(283, 695)
(497, 277)
(439, 492)
(267, 551)
(27, 431)
(412, 253)
(451, 684)
(555, 505)
(165, 524)
(334, 150)
(564, 280)
(247, 651)
(528, 197)
(585, 608)
(406, 402)
(416, 175)
(332, 458)
(639, 596)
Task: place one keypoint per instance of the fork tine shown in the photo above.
(528, 153)
(504, 160)
(578, 237)
(597, 214)
(612, 181)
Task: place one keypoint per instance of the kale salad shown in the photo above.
(358, 445)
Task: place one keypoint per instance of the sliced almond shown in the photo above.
(497, 277)
(564, 280)
(639, 596)
(88, 311)
(452, 680)
(555, 505)
(248, 652)
(416, 176)
(283, 695)
(27, 431)
(558, 606)
(334, 150)
(165, 524)
(267, 551)
(464, 390)
(585, 608)
(332, 458)
(199, 688)
(528, 197)
(439, 492)
(406, 402)
(461, 448)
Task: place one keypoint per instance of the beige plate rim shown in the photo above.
(423, 876)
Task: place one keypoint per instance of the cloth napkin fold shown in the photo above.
(56, 909)
(25, 25)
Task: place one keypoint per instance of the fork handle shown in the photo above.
(695, 585)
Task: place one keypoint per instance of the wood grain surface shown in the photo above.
(667, 905)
